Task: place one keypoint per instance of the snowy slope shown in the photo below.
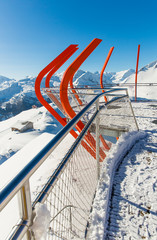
(17, 96)
(146, 75)
(83, 78)
(13, 141)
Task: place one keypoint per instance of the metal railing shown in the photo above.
(69, 191)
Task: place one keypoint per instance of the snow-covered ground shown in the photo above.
(132, 212)
(13, 141)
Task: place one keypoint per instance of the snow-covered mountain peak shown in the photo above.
(97, 72)
(59, 75)
(30, 77)
(148, 66)
(153, 64)
(121, 76)
(5, 79)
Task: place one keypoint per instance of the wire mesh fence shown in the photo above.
(70, 197)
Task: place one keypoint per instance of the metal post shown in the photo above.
(132, 111)
(70, 219)
(75, 100)
(25, 206)
(98, 139)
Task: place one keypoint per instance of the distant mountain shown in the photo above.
(16, 96)
(150, 65)
(88, 78)
(5, 79)
(146, 76)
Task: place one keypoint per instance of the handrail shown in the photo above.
(15, 184)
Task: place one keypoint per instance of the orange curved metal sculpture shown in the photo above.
(50, 69)
(55, 64)
(54, 69)
(103, 69)
(68, 76)
(69, 73)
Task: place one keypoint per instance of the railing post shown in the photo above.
(70, 220)
(132, 111)
(97, 139)
(25, 206)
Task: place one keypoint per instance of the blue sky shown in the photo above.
(34, 32)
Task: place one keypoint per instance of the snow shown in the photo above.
(134, 200)
(132, 212)
(26, 155)
(147, 74)
(9, 217)
(41, 221)
(122, 75)
(11, 142)
(101, 203)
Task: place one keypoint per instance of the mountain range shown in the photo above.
(19, 95)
